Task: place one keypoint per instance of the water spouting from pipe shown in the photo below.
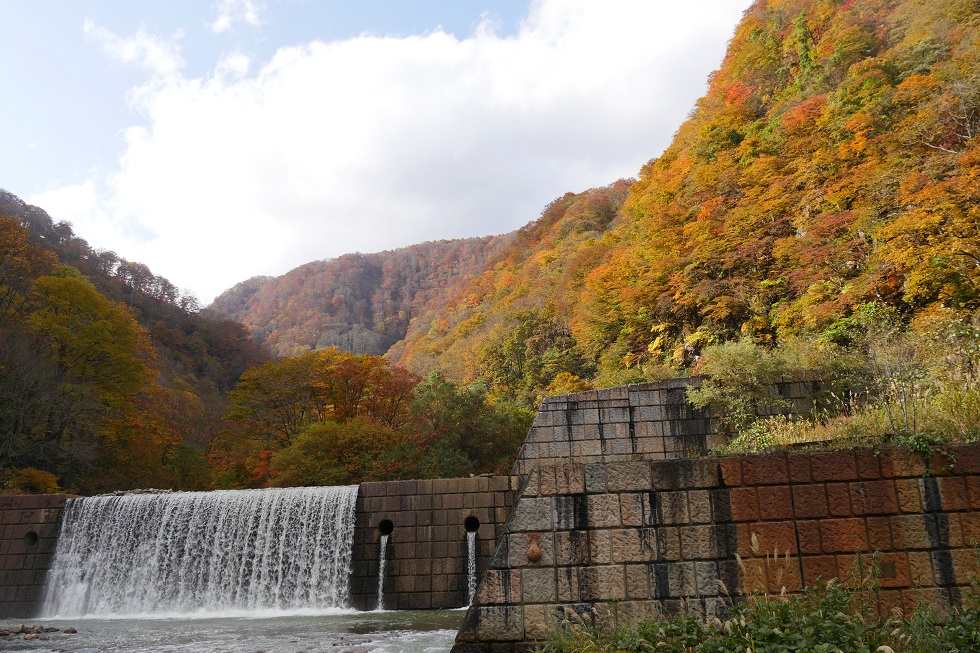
(382, 562)
(471, 565)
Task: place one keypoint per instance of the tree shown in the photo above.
(467, 433)
(275, 403)
(21, 262)
(333, 453)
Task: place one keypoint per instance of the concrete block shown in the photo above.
(647, 397)
(533, 514)
(634, 545)
(586, 448)
(539, 585)
(669, 508)
(517, 548)
(699, 506)
(707, 578)
(582, 432)
(703, 542)
(571, 548)
(561, 449)
(668, 543)
(496, 623)
(637, 581)
(681, 579)
(603, 510)
(619, 449)
(648, 414)
(618, 393)
(600, 547)
(585, 416)
(651, 446)
(538, 620)
(628, 477)
(605, 583)
(595, 478)
(571, 512)
(608, 415)
(562, 479)
(568, 585)
(634, 508)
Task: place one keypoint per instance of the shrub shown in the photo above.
(31, 481)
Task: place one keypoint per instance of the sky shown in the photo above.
(216, 141)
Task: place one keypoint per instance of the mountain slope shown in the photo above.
(109, 376)
(362, 303)
(831, 164)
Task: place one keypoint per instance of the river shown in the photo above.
(337, 631)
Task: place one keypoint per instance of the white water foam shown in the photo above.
(201, 554)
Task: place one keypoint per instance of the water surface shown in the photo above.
(431, 631)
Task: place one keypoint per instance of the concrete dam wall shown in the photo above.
(28, 535)
(427, 523)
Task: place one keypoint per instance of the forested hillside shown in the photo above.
(361, 303)
(831, 165)
(109, 375)
(819, 213)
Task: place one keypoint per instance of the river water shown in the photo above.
(337, 631)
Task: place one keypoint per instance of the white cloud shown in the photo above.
(373, 143)
(159, 57)
(235, 11)
(233, 65)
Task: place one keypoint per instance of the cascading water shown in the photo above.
(471, 565)
(183, 552)
(382, 561)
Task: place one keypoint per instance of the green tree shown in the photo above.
(333, 453)
(467, 433)
(527, 352)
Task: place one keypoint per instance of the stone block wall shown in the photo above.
(427, 549)
(644, 421)
(28, 533)
(823, 507)
(623, 541)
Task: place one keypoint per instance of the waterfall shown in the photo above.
(382, 560)
(471, 565)
(181, 552)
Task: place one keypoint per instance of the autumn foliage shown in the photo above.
(109, 377)
(830, 172)
(329, 417)
(832, 163)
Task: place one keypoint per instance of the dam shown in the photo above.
(614, 513)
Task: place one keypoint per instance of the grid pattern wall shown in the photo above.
(645, 421)
(427, 554)
(618, 542)
(28, 534)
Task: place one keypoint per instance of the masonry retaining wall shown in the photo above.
(643, 421)
(627, 540)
